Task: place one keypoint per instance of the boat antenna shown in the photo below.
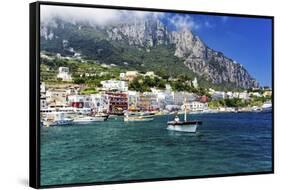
(185, 108)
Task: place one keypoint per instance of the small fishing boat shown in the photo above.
(184, 126)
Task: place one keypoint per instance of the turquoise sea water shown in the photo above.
(226, 143)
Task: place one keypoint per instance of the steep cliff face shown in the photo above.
(151, 33)
(147, 33)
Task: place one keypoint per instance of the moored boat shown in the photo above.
(88, 119)
(137, 117)
(57, 119)
(267, 107)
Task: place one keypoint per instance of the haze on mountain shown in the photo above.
(160, 42)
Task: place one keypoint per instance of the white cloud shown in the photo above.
(93, 15)
(182, 22)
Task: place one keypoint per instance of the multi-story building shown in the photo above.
(164, 98)
(56, 96)
(218, 95)
(117, 102)
(244, 95)
(99, 102)
(179, 97)
(64, 74)
(77, 101)
(114, 85)
(148, 102)
(196, 106)
(43, 99)
(133, 97)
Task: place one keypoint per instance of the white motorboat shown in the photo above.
(88, 119)
(267, 107)
(137, 117)
(57, 119)
(183, 126)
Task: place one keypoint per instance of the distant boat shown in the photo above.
(137, 117)
(184, 126)
(267, 107)
(88, 119)
(100, 115)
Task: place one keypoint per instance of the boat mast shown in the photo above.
(185, 107)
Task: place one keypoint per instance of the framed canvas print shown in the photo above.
(122, 94)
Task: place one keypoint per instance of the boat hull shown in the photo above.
(59, 123)
(89, 120)
(183, 128)
(137, 119)
(190, 126)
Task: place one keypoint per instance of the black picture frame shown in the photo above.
(34, 92)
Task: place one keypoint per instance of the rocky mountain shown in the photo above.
(145, 44)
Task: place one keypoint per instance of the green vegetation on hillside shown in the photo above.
(91, 72)
(238, 103)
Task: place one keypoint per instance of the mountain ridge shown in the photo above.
(113, 43)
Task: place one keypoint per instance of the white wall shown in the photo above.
(14, 56)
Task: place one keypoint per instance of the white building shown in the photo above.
(56, 96)
(168, 87)
(99, 102)
(229, 95)
(196, 106)
(257, 94)
(64, 74)
(195, 83)
(43, 100)
(76, 98)
(235, 95)
(164, 98)
(150, 74)
(114, 85)
(122, 76)
(218, 95)
(244, 95)
(42, 87)
(179, 97)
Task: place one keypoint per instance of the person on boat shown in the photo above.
(177, 119)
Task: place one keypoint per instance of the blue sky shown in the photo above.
(245, 40)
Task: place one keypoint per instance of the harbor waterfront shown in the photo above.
(132, 96)
(114, 150)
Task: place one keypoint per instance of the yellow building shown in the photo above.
(267, 93)
(131, 75)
